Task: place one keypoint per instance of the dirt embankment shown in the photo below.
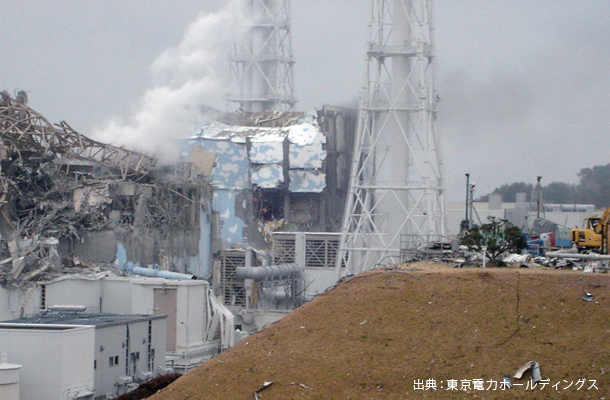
(380, 335)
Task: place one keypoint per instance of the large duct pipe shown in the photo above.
(159, 273)
(276, 293)
(271, 272)
(591, 257)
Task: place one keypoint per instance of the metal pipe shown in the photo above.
(277, 294)
(592, 257)
(159, 273)
(271, 272)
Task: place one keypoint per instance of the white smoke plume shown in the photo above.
(184, 77)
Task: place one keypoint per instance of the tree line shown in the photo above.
(593, 188)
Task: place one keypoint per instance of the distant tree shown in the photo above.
(594, 185)
(559, 193)
(593, 188)
(498, 235)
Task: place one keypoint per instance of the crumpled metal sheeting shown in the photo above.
(534, 366)
(249, 156)
(268, 152)
(310, 156)
(302, 181)
(267, 176)
(231, 170)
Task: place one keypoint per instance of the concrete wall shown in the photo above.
(184, 249)
(118, 296)
(339, 127)
(93, 247)
(55, 361)
(108, 349)
(80, 292)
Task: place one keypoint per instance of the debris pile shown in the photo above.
(57, 185)
(567, 259)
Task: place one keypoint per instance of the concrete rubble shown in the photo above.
(66, 201)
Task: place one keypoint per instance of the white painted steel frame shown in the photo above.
(396, 186)
(262, 61)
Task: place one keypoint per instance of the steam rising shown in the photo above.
(184, 77)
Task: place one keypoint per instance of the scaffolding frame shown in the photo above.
(396, 181)
(261, 65)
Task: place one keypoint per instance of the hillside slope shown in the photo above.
(375, 334)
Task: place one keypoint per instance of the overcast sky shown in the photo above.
(524, 84)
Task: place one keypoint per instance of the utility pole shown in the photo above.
(262, 62)
(538, 197)
(471, 205)
(467, 197)
(396, 193)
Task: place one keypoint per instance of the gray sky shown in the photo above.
(525, 85)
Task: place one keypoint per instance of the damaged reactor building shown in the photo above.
(254, 210)
(279, 178)
(69, 202)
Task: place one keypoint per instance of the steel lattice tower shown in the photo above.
(262, 62)
(396, 199)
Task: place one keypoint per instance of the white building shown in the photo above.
(127, 350)
(522, 214)
(57, 360)
(193, 316)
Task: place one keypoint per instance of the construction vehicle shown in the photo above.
(594, 234)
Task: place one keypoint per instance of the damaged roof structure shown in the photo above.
(67, 201)
(277, 171)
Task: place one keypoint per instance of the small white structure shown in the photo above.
(58, 360)
(9, 379)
